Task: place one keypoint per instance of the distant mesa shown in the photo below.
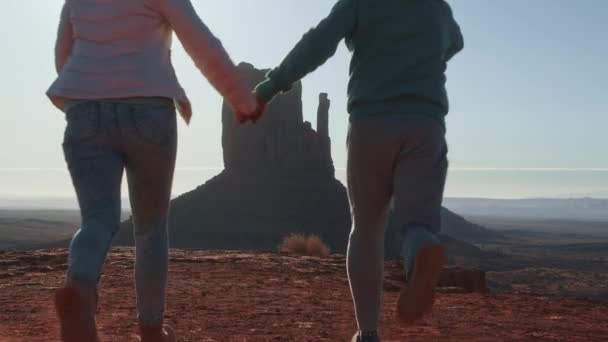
(458, 227)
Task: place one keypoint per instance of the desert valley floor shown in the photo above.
(236, 296)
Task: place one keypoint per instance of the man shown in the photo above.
(397, 102)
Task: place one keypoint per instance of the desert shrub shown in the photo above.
(294, 244)
(301, 244)
(316, 247)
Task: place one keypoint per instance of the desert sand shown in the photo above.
(240, 296)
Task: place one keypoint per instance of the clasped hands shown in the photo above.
(254, 116)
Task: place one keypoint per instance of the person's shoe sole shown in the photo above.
(418, 297)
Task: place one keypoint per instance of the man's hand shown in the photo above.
(255, 115)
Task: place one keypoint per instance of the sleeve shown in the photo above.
(207, 53)
(457, 40)
(314, 49)
(65, 39)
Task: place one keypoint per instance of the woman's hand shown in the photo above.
(253, 116)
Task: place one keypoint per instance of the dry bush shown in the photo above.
(301, 244)
(316, 247)
(294, 244)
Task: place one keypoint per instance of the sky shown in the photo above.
(528, 106)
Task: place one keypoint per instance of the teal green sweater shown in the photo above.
(400, 50)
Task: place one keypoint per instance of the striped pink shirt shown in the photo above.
(122, 48)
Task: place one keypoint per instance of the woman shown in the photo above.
(117, 86)
(396, 146)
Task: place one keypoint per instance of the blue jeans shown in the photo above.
(102, 140)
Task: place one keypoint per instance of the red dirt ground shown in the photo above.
(236, 296)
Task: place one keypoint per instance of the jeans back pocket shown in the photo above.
(82, 123)
(155, 124)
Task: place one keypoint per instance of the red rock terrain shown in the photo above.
(237, 296)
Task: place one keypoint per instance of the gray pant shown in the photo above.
(402, 158)
(102, 139)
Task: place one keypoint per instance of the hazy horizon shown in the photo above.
(52, 186)
(528, 115)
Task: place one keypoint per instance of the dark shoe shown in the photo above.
(156, 333)
(366, 337)
(76, 314)
(418, 297)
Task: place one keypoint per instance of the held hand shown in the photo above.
(255, 115)
(260, 110)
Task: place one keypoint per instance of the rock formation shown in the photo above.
(281, 144)
(278, 179)
(466, 279)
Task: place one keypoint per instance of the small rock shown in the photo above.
(46, 269)
(469, 280)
